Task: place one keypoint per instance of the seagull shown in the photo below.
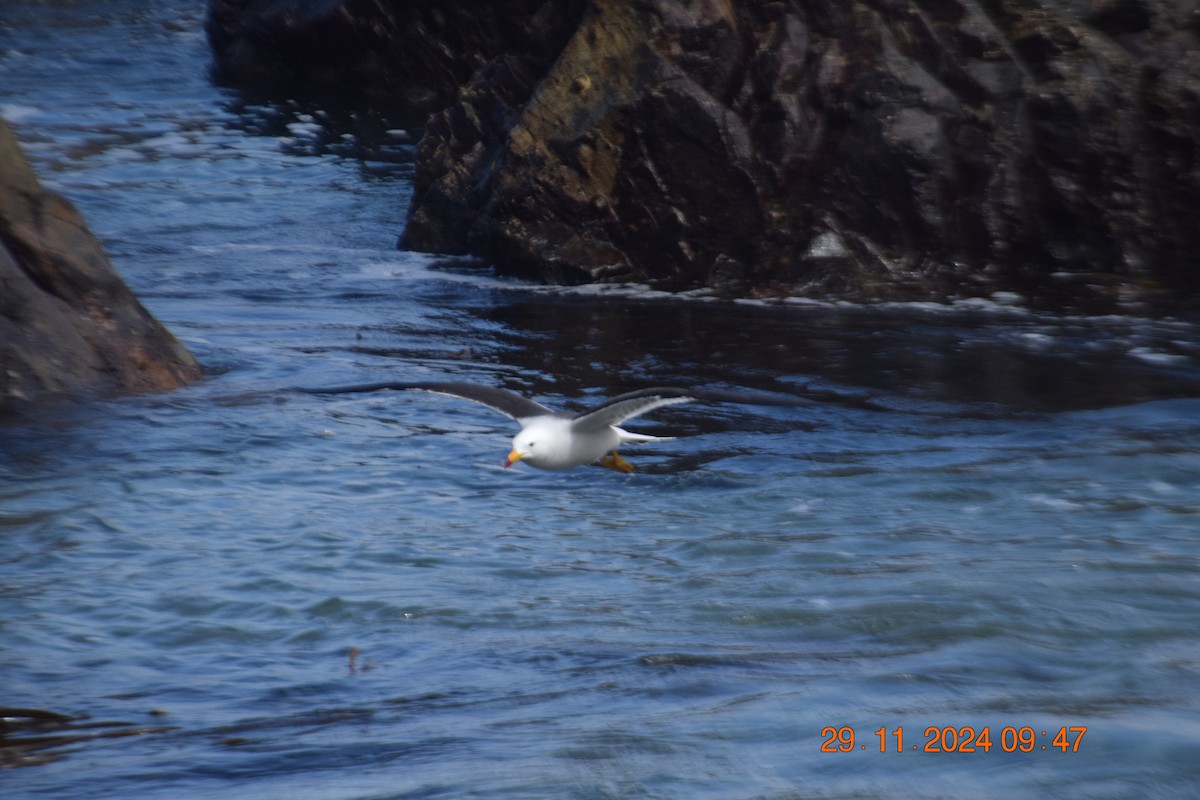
(556, 440)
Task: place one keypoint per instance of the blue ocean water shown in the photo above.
(983, 518)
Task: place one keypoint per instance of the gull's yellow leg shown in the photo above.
(614, 461)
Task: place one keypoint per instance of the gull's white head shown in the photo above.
(545, 443)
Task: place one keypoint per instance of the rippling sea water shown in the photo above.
(985, 517)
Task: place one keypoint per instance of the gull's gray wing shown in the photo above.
(631, 404)
(616, 410)
(507, 403)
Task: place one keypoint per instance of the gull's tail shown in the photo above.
(640, 438)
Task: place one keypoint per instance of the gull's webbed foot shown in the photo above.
(614, 461)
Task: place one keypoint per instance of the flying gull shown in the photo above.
(556, 440)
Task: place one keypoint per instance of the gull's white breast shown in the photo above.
(554, 443)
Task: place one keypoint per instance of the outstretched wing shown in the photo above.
(507, 403)
(617, 409)
(631, 404)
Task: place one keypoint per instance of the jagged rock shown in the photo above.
(68, 324)
(946, 147)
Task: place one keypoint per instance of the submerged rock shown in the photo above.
(872, 148)
(68, 324)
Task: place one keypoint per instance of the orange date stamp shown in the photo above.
(951, 739)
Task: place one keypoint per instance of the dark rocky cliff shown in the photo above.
(68, 324)
(871, 149)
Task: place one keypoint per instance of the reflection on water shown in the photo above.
(981, 516)
(1008, 357)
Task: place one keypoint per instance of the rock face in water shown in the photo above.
(870, 148)
(68, 323)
